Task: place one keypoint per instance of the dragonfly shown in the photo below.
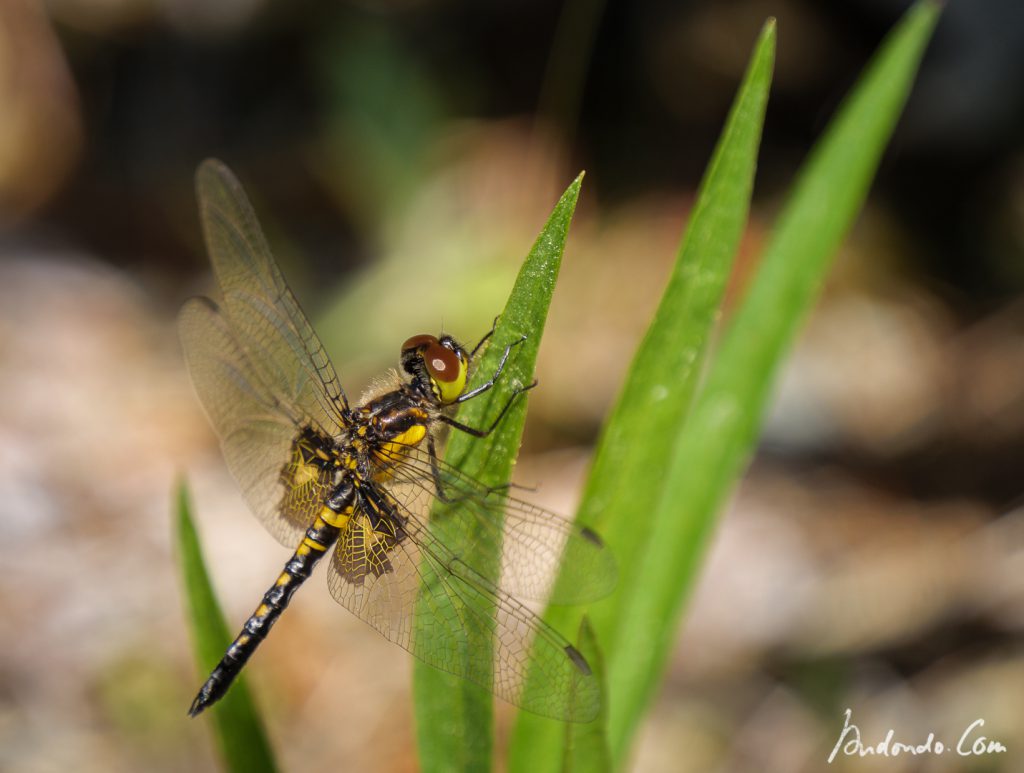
(359, 481)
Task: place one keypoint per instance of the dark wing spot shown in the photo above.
(578, 660)
(592, 535)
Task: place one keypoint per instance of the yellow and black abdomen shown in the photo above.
(315, 543)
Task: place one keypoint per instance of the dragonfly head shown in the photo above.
(438, 366)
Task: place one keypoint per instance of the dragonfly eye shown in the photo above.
(445, 362)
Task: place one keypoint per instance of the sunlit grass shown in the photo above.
(454, 717)
(661, 474)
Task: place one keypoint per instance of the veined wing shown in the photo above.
(261, 311)
(264, 434)
(417, 593)
(536, 545)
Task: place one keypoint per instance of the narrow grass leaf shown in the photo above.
(237, 727)
(723, 424)
(586, 744)
(627, 474)
(454, 717)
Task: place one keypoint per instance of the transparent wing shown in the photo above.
(418, 594)
(265, 436)
(536, 546)
(261, 311)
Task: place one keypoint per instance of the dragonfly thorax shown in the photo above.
(391, 424)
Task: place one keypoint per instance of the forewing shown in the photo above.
(260, 430)
(266, 319)
(419, 595)
(535, 545)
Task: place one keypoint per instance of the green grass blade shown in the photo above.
(238, 729)
(586, 744)
(454, 716)
(723, 424)
(628, 469)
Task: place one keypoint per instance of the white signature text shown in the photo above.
(971, 743)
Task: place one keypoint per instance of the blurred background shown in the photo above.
(402, 156)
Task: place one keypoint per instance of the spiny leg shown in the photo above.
(485, 432)
(439, 486)
(485, 339)
(494, 376)
(435, 470)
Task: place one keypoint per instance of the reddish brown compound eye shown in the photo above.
(418, 342)
(442, 363)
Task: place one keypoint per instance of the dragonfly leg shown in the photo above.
(439, 486)
(485, 432)
(435, 471)
(484, 340)
(494, 376)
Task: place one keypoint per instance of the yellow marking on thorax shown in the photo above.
(412, 436)
(394, 450)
